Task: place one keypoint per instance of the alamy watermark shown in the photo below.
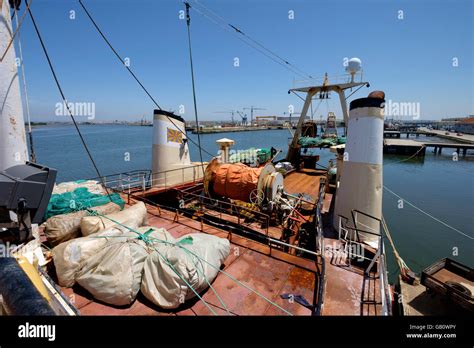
(249, 157)
(402, 109)
(28, 330)
(86, 109)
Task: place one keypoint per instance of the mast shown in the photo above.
(310, 91)
(13, 149)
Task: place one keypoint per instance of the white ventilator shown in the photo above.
(360, 186)
(13, 149)
(171, 162)
(224, 149)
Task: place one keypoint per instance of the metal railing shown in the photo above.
(333, 79)
(209, 205)
(127, 180)
(351, 239)
(319, 285)
(143, 179)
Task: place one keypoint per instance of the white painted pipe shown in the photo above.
(360, 185)
(13, 149)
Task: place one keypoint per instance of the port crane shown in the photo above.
(243, 116)
(252, 108)
(231, 112)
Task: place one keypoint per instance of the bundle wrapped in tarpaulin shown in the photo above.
(114, 264)
(132, 217)
(61, 228)
(176, 271)
(235, 180)
(114, 274)
(109, 263)
(69, 257)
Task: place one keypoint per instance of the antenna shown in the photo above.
(353, 67)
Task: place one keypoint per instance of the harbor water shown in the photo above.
(427, 202)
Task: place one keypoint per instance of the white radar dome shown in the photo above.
(353, 65)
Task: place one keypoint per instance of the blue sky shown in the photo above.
(410, 59)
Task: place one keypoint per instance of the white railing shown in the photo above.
(144, 179)
(350, 237)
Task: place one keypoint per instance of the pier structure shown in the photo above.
(411, 147)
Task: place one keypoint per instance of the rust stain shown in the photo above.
(300, 278)
(13, 123)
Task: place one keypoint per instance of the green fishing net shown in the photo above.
(79, 199)
(320, 142)
(251, 155)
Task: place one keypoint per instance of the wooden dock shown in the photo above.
(411, 147)
(235, 129)
(403, 147)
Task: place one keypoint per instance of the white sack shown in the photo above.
(133, 217)
(61, 228)
(69, 257)
(114, 274)
(162, 286)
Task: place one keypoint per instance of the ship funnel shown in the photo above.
(360, 186)
(171, 162)
(13, 150)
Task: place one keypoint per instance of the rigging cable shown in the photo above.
(317, 107)
(27, 102)
(250, 42)
(405, 271)
(135, 77)
(350, 95)
(239, 31)
(65, 100)
(188, 24)
(14, 34)
(428, 214)
(406, 159)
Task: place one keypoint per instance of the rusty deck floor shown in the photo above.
(304, 181)
(268, 271)
(249, 262)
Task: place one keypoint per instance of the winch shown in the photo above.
(262, 186)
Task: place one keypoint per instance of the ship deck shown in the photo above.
(249, 262)
(262, 273)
